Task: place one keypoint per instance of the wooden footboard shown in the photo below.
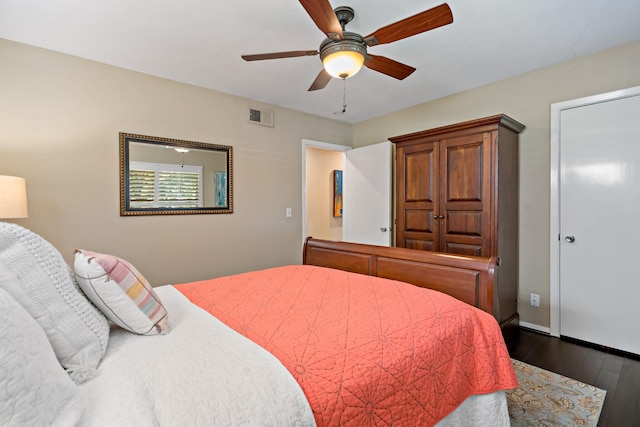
(469, 279)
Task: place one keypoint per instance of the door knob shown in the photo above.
(570, 239)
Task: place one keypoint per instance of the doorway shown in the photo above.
(367, 192)
(316, 217)
(595, 200)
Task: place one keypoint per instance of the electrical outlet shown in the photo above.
(534, 300)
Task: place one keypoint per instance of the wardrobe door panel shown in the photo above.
(419, 220)
(463, 249)
(417, 196)
(419, 177)
(464, 223)
(466, 193)
(462, 170)
(421, 245)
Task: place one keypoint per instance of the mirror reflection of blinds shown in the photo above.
(156, 187)
(178, 189)
(142, 187)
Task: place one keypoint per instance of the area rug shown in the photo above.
(547, 399)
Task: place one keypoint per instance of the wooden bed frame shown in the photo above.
(467, 278)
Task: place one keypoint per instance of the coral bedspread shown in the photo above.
(365, 350)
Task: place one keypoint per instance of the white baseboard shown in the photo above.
(543, 329)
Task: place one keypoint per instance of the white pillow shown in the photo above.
(121, 292)
(45, 286)
(34, 389)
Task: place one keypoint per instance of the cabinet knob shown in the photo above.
(570, 239)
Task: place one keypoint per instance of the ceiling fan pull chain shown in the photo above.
(344, 97)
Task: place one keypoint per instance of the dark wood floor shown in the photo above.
(616, 373)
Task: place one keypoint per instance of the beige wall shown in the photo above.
(321, 223)
(526, 98)
(59, 123)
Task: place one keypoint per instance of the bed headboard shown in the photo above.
(469, 279)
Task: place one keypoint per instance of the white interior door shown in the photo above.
(599, 192)
(367, 195)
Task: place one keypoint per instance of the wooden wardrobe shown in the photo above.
(457, 192)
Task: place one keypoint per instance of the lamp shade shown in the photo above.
(13, 197)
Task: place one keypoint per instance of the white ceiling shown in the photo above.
(200, 42)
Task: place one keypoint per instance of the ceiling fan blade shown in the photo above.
(276, 55)
(389, 67)
(321, 81)
(416, 24)
(325, 18)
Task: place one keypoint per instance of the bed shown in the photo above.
(346, 338)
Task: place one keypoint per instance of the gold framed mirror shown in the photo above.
(164, 176)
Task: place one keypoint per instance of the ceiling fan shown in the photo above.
(343, 53)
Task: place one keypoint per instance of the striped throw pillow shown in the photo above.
(120, 292)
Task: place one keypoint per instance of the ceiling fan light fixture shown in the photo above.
(343, 64)
(343, 58)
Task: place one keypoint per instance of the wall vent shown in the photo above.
(261, 117)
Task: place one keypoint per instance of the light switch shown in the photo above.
(289, 213)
